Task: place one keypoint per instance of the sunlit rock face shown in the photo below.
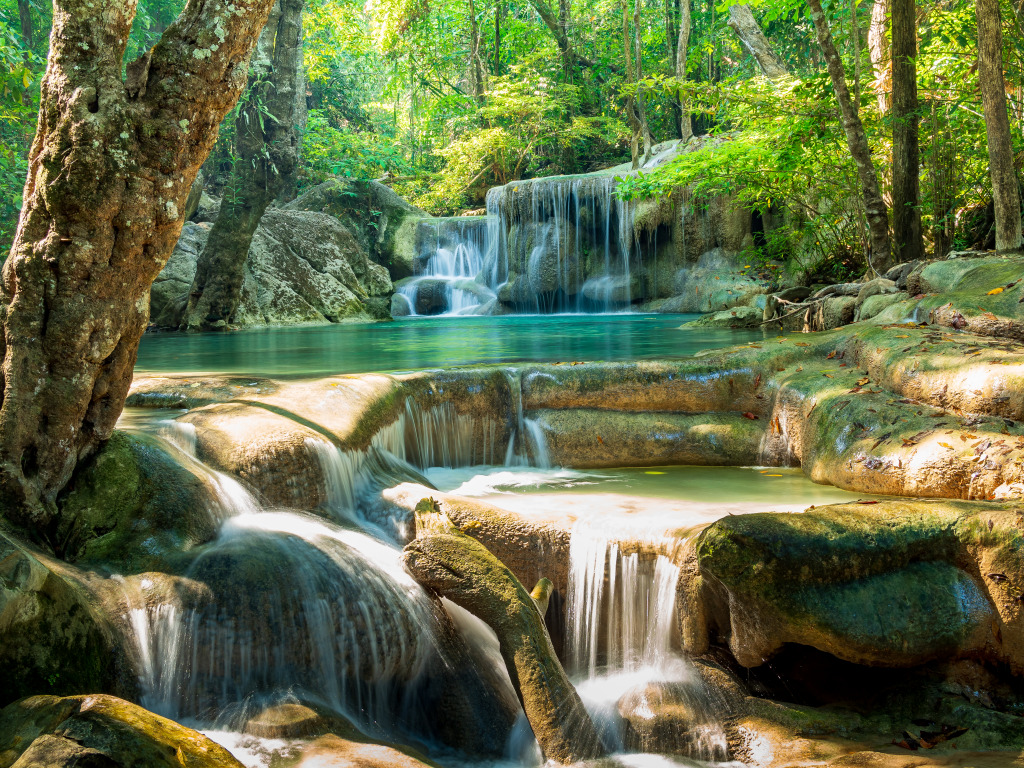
(303, 267)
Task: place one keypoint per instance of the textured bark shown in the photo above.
(682, 47)
(857, 141)
(459, 568)
(110, 170)
(906, 161)
(632, 117)
(941, 167)
(499, 9)
(878, 49)
(1005, 192)
(266, 145)
(743, 23)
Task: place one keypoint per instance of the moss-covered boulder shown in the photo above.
(134, 507)
(98, 731)
(886, 584)
(54, 636)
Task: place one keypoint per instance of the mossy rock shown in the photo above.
(55, 637)
(134, 506)
(103, 732)
(893, 584)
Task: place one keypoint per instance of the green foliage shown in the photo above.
(329, 151)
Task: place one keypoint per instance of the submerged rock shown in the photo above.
(98, 731)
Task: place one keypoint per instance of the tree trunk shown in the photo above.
(874, 205)
(878, 49)
(682, 47)
(110, 170)
(641, 108)
(476, 63)
(266, 146)
(855, 39)
(1005, 193)
(561, 39)
(943, 157)
(906, 213)
(743, 23)
(632, 118)
(498, 8)
(25, 18)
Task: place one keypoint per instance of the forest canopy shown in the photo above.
(450, 97)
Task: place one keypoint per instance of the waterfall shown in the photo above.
(284, 605)
(527, 443)
(622, 639)
(546, 245)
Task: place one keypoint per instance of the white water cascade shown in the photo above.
(546, 245)
(622, 636)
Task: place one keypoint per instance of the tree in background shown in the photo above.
(906, 163)
(111, 166)
(1005, 187)
(267, 153)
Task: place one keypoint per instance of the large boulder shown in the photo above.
(383, 223)
(98, 731)
(893, 584)
(302, 267)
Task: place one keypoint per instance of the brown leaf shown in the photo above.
(749, 415)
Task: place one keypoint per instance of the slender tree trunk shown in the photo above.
(632, 118)
(874, 205)
(498, 10)
(682, 48)
(743, 23)
(641, 109)
(878, 48)
(906, 213)
(25, 19)
(550, 20)
(942, 177)
(110, 170)
(855, 39)
(266, 145)
(475, 60)
(1005, 192)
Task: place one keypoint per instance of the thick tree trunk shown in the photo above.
(906, 213)
(25, 19)
(743, 23)
(878, 49)
(682, 47)
(110, 170)
(874, 205)
(1005, 193)
(632, 117)
(943, 157)
(266, 145)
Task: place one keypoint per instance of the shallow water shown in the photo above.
(643, 501)
(411, 344)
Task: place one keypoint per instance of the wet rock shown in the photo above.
(611, 289)
(295, 721)
(400, 305)
(55, 637)
(875, 305)
(593, 438)
(431, 294)
(332, 751)
(135, 506)
(99, 731)
(875, 287)
(456, 566)
(739, 317)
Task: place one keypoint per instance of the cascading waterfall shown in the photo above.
(622, 635)
(285, 605)
(546, 245)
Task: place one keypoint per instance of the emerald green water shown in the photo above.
(416, 343)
